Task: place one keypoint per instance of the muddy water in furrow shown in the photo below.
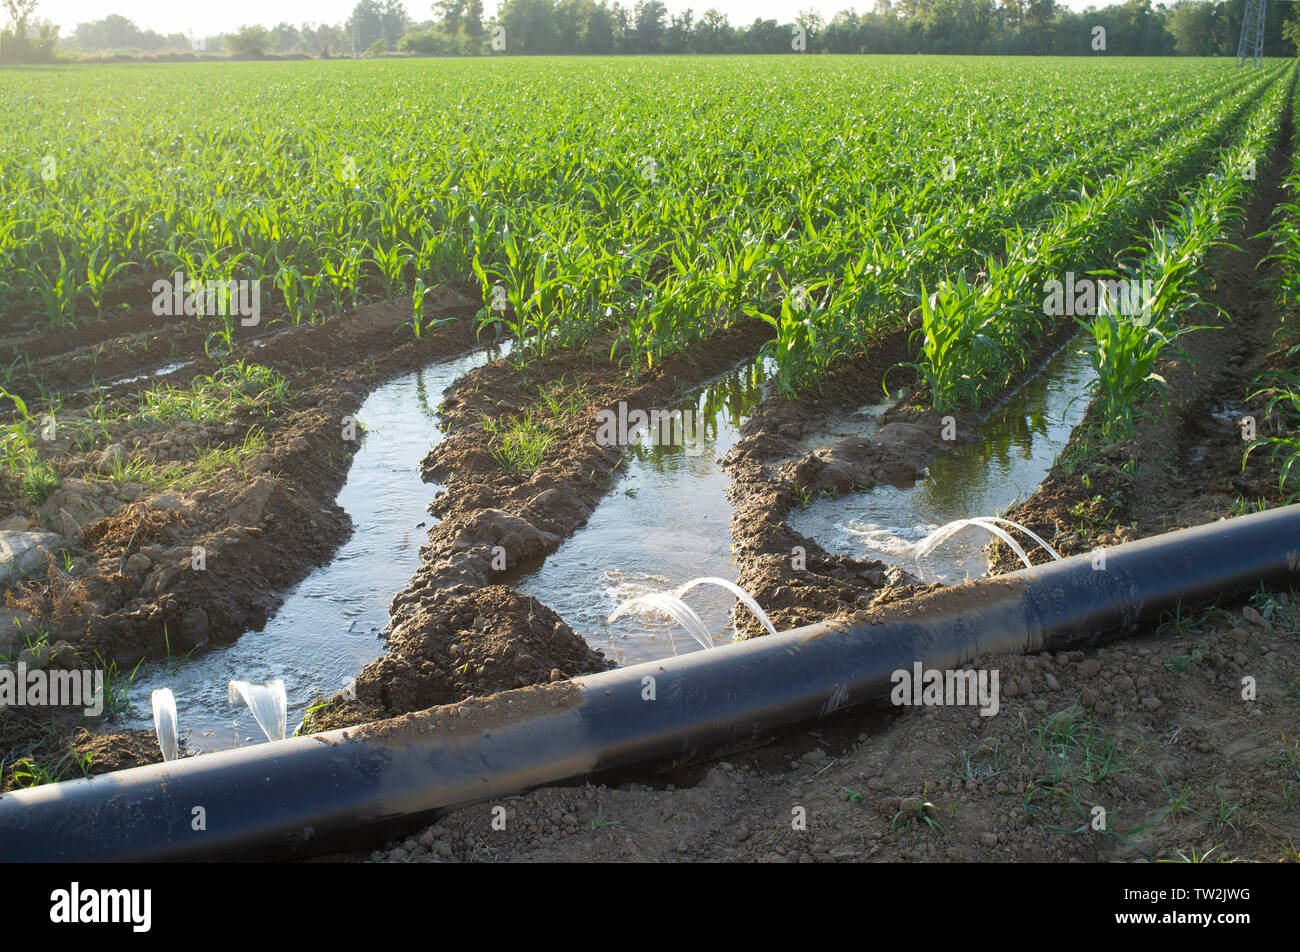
(666, 521)
(1015, 449)
(329, 626)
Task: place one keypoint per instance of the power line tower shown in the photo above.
(1251, 46)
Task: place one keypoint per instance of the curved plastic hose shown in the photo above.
(671, 606)
(267, 701)
(734, 589)
(163, 702)
(988, 523)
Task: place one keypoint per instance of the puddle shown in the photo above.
(1021, 439)
(159, 372)
(162, 371)
(156, 374)
(329, 626)
(665, 522)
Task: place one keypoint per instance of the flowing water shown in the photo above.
(1018, 444)
(666, 521)
(329, 626)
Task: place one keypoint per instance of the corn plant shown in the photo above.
(352, 198)
(1129, 346)
(99, 276)
(36, 478)
(988, 333)
(1281, 391)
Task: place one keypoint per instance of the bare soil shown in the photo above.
(129, 586)
(262, 525)
(493, 517)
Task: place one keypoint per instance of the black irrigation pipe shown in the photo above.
(352, 788)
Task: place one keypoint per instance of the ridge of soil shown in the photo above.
(494, 518)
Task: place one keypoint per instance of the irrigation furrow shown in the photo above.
(329, 626)
(664, 522)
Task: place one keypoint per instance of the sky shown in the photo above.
(203, 19)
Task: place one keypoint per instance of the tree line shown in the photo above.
(461, 28)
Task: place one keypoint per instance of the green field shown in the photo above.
(655, 198)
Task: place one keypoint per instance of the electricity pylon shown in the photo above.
(1251, 46)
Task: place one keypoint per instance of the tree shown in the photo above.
(650, 16)
(29, 41)
(812, 22)
(766, 36)
(250, 40)
(598, 30)
(473, 22)
(1291, 29)
(450, 13)
(622, 27)
(20, 13)
(316, 41)
(393, 22)
(1191, 24)
(1133, 27)
(429, 43)
(365, 25)
(532, 26)
(678, 37)
(286, 38)
(114, 32)
(712, 33)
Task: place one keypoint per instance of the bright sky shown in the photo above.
(168, 16)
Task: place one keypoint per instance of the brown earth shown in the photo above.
(449, 649)
(262, 526)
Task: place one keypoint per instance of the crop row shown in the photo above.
(1278, 386)
(585, 196)
(1132, 340)
(976, 335)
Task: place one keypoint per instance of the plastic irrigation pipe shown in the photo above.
(353, 787)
